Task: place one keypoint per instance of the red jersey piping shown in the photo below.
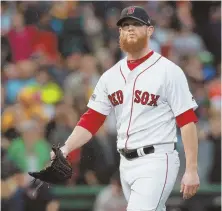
(122, 74)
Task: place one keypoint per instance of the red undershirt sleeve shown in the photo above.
(91, 120)
(186, 117)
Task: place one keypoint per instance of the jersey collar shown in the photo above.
(126, 71)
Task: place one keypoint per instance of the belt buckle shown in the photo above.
(124, 152)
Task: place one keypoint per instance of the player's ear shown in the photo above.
(120, 29)
(150, 30)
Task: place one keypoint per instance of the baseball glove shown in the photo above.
(57, 173)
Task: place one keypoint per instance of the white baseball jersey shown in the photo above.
(146, 100)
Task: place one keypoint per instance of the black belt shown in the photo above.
(131, 154)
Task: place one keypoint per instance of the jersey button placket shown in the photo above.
(131, 80)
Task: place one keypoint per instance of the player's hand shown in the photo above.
(64, 152)
(189, 184)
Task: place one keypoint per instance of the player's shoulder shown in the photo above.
(173, 72)
(169, 66)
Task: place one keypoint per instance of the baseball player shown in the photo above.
(150, 97)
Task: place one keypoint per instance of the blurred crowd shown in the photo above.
(52, 56)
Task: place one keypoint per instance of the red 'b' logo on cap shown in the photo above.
(130, 10)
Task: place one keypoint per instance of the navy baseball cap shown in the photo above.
(136, 13)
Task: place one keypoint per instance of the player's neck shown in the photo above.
(138, 55)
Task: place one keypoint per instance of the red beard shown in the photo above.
(133, 46)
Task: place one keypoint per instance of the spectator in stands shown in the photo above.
(17, 77)
(187, 42)
(7, 11)
(46, 42)
(59, 128)
(12, 184)
(28, 106)
(73, 35)
(6, 54)
(30, 152)
(50, 92)
(111, 30)
(111, 198)
(93, 27)
(214, 135)
(44, 20)
(105, 58)
(213, 89)
(42, 200)
(21, 38)
(82, 82)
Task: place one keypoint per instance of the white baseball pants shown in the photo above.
(147, 181)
